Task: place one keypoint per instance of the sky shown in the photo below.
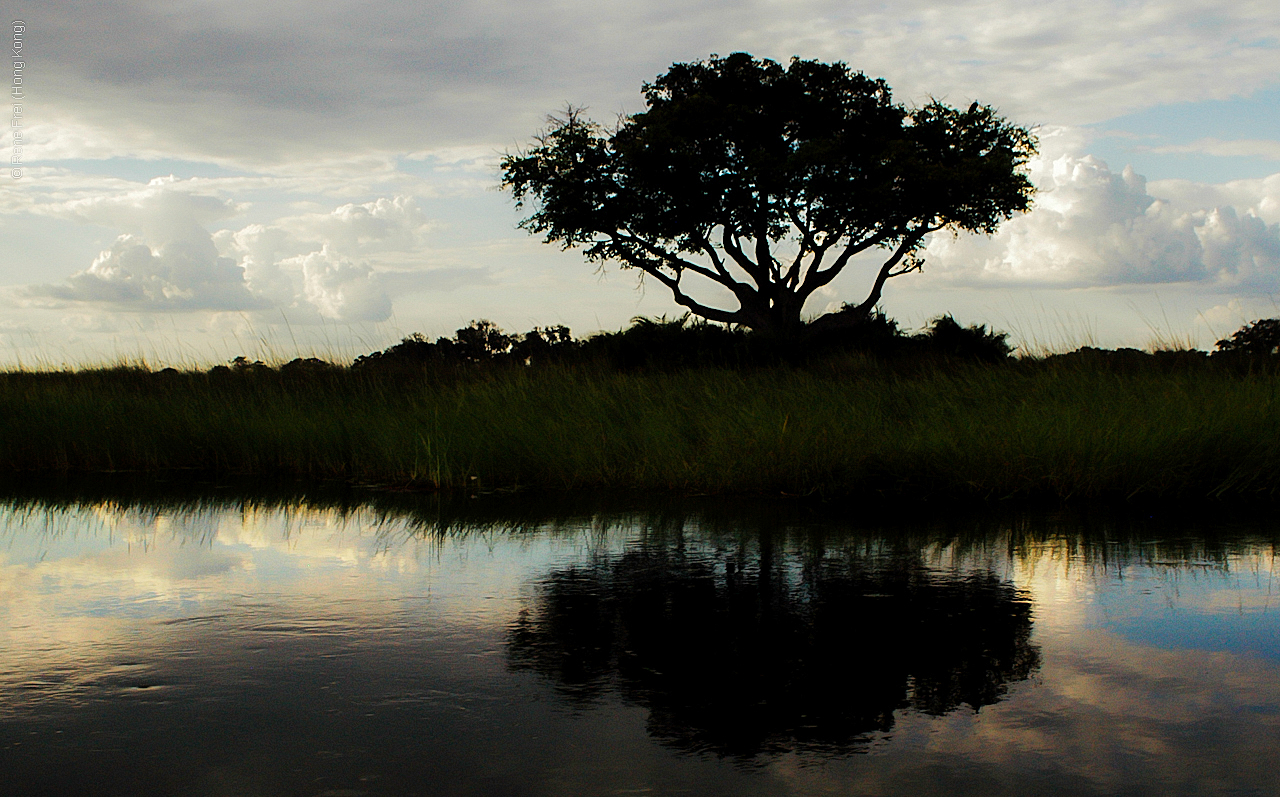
(198, 180)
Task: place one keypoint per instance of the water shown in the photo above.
(232, 648)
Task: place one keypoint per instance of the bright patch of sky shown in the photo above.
(138, 170)
(1212, 141)
(202, 179)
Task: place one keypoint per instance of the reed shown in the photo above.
(847, 426)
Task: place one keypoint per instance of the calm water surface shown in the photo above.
(227, 648)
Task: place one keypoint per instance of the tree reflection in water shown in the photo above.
(745, 650)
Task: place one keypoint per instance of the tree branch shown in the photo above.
(716, 260)
(816, 278)
(676, 264)
(734, 249)
(809, 241)
(764, 259)
(886, 270)
(684, 300)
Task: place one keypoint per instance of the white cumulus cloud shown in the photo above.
(1257, 197)
(320, 261)
(176, 275)
(166, 259)
(1091, 226)
(341, 289)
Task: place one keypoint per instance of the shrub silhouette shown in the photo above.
(1260, 338)
(658, 343)
(307, 366)
(684, 342)
(243, 365)
(478, 342)
(540, 346)
(947, 338)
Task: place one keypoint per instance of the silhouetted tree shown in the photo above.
(541, 345)
(1259, 338)
(478, 342)
(767, 180)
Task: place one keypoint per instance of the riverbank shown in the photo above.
(849, 427)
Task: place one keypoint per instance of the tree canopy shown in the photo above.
(767, 180)
(1260, 338)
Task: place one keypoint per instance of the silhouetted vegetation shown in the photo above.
(1260, 338)
(767, 181)
(482, 342)
(1253, 347)
(682, 405)
(680, 343)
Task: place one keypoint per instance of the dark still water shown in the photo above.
(229, 648)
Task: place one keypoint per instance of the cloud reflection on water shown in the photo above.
(153, 628)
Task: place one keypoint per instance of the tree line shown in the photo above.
(688, 342)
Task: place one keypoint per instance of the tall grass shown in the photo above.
(849, 427)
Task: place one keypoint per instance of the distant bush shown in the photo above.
(309, 366)
(663, 344)
(540, 346)
(1126, 360)
(481, 341)
(414, 351)
(1260, 338)
(245, 365)
(686, 342)
(947, 338)
(659, 343)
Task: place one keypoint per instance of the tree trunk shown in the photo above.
(781, 317)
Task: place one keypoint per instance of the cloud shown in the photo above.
(1258, 197)
(167, 260)
(1239, 148)
(339, 289)
(1242, 250)
(178, 275)
(320, 260)
(164, 208)
(1093, 227)
(253, 83)
(380, 225)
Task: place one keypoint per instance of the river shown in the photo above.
(218, 645)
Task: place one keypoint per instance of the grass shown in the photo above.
(848, 427)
